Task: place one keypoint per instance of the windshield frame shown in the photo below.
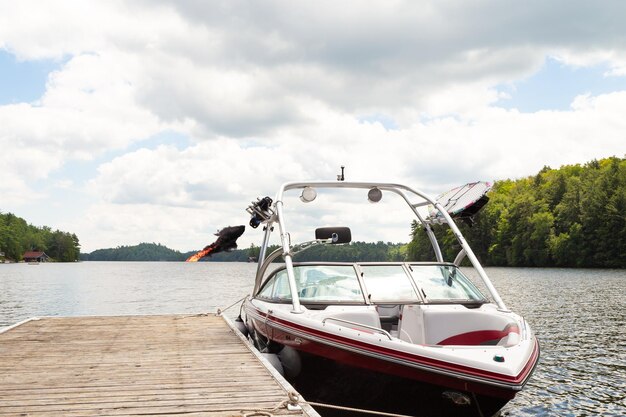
(305, 302)
(407, 267)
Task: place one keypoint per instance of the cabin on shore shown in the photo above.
(35, 256)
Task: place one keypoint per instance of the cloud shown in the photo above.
(220, 170)
(395, 53)
(214, 181)
(238, 69)
(268, 92)
(217, 101)
(87, 109)
(105, 225)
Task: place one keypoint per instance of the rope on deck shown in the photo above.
(294, 402)
(353, 409)
(220, 311)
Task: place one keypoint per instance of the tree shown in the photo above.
(571, 216)
(17, 237)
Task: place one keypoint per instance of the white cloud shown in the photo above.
(273, 91)
(79, 117)
(615, 59)
(214, 181)
(106, 225)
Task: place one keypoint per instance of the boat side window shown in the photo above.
(388, 283)
(324, 283)
(281, 287)
(445, 283)
(276, 288)
(316, 283)
(267, 288)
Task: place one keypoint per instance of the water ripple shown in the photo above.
(578, 316)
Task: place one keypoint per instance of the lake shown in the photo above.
(577, 314)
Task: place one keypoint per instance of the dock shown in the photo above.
(173, 365)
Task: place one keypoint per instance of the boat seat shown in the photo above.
(510, 339)
(447, 325)
(411, 324)
(388, 312)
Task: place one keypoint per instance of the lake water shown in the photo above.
(578, 316)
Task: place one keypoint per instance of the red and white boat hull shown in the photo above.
(368, 350)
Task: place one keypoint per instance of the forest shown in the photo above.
(574, 216)
(17, 237)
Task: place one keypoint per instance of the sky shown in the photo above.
(160, 121)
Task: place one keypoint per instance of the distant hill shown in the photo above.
(140, 252)
(156, 252)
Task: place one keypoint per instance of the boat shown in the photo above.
(387, 331)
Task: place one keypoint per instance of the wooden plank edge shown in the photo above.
(306, 408)
(13, 326)
(173, 316)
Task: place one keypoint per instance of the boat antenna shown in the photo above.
(341, 177)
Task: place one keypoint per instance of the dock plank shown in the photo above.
(134, 365)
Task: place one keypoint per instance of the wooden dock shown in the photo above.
(136, 366)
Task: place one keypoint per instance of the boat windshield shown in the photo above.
(388, 283)
(445, 283)
(316, 283)
(382, 284)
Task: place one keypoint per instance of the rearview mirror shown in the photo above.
(343, 234)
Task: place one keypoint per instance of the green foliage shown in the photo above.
(17, 237)
(140, 252)
(419, 249)
(354, 251)
(574, 216)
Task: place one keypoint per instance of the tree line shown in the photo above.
(140, 252)
(574, 216)
(156, 252)
(352, 252)
(17, 237)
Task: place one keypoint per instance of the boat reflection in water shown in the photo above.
(407, 337)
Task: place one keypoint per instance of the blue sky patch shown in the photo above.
(387, 121)
(79, 172)
(168, 137)
(23, 81)
(556, 85)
